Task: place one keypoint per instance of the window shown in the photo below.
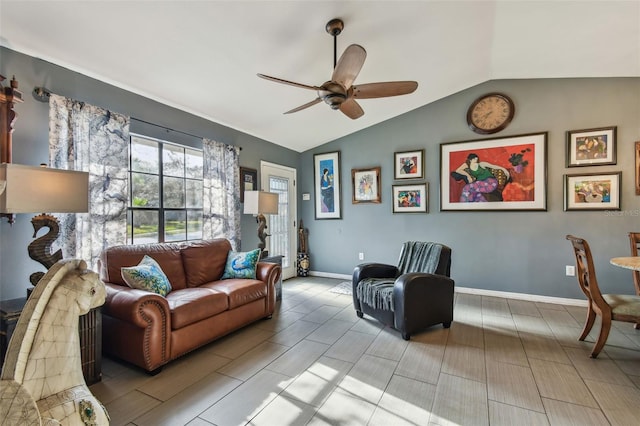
(166, 192)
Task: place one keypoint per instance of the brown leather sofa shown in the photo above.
(150, 330)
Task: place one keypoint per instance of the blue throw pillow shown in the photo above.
(241, 264)
(147, 276)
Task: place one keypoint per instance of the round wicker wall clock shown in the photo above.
(490, 113)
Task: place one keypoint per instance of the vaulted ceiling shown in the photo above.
(203, 56)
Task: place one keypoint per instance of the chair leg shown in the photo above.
(406, 336)
(591, 317)
(359, 314)
(446, 324)
(602, 338)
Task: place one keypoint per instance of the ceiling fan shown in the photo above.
(340, 92)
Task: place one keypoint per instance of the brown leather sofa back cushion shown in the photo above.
(204, 261)
(166, 254)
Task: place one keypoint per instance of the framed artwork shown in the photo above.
(593, 191)
(408, 164)
(248, 181)
(411, 198)
(638, 168)
(327, 185)
(591, 147)
(499, 174)
(366, 185)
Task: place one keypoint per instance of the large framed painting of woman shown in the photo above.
(498, 174)
(328, 203)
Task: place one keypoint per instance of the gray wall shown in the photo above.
(522, 252)
(30, 146)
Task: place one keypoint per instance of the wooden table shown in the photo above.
(631, 262)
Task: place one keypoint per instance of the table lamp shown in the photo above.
(33, 189)
(260, 203)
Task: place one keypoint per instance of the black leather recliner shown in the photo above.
(412, 296)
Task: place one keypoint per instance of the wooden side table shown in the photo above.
(90, 330)
(278, 260)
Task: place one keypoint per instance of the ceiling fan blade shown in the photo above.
(351, 109)
(383, 90)
(290, 83)
(349, 65)
(307, 105)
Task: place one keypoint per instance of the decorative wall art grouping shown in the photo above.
(498, 174)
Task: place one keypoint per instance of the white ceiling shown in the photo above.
(203, 56)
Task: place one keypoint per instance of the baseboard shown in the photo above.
(330, 275)
(522, 296)
(482, 292)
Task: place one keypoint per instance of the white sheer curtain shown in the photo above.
(221, 188)
(88, 138)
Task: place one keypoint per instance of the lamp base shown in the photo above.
(40, 248)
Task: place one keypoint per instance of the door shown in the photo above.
(282, 238)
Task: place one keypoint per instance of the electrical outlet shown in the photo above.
(361, 256)
(570, 270)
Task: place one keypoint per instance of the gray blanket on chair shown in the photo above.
(415, 256)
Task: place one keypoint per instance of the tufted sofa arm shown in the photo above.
(137, 312)
(270, 274)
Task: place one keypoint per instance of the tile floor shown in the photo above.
(502, 362)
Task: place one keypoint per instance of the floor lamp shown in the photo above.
(32, 189)
(260, 203)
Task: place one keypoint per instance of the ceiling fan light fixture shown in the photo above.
(339, 92)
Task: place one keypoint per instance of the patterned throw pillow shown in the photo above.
(241, 264)
(147, 276)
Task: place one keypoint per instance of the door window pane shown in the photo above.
(278, 223)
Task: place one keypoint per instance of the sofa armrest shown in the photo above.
(429, 296)
(370, 270)
(146, 311)
(269, 273)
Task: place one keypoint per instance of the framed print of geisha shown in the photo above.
(327, 185)
(499, 174)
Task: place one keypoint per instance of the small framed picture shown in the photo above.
(591, 147)
(248, 181)
(593, 191)
(638, 168)
(411, 198)
(409, 164)
(366, 185)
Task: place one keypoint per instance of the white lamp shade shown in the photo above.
(260, 202)
(32, 189)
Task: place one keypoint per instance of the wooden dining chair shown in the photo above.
(616, 307)
(634, 240)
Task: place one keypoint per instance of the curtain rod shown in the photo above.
(42, 94)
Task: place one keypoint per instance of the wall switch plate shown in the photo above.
(361, 256)
(306, 196)
(570, 271)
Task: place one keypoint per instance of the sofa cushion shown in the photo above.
(240, 291)
(204, 260)
(241, 264)
(191, 305)
(147, 275)
(166, 254)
